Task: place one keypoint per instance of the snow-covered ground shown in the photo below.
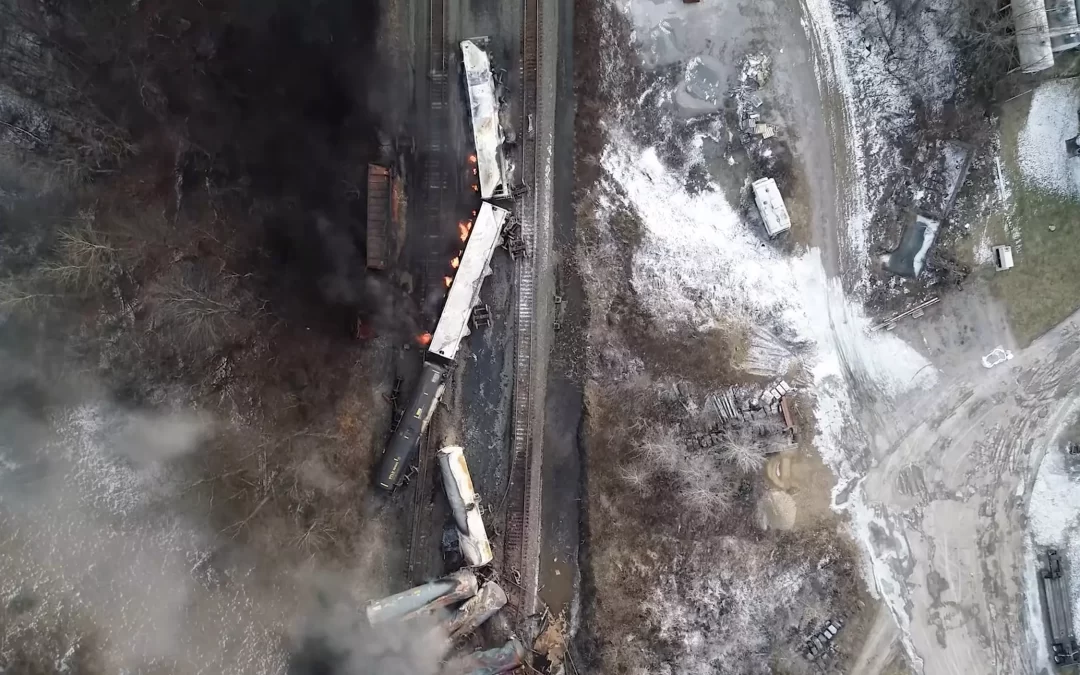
(1052, 119)
(927, 503)
(876, 82)
(701, 263)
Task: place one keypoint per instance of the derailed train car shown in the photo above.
(452, 328)
(484, 113)
(405, 439)
(465, 506)
(473, 268)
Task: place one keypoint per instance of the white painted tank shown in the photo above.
(464, 293)
(472, 535)
(484, 112)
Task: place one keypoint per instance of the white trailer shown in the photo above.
(771, 206)
(484, 111)
(465, 289)
(1003, 258)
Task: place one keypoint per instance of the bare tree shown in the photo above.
(745, 449)
(201, 308)
(704, 486)
(84, 257)
(637, 475)
(20, 295)
(662, 449)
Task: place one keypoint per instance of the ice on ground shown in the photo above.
(1052, 120)
(1036, 633)
(1054, 510)
(984, 251)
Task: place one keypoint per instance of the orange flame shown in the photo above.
(476, 188)
(472, 159)
(455, 262)
(423, 339)
(447, 281)
(474, 172)
(463, 230)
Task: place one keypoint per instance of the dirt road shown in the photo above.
(949, 474)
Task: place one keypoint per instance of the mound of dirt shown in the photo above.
(776, 510)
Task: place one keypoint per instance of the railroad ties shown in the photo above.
(519, 552)
(434, 262)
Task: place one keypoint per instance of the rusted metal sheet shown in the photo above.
(476, 610)
(490, 662)
(785, 410)
(429, 597)
(379, 210)
(464, 504)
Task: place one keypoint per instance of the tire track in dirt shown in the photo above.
(958, 542)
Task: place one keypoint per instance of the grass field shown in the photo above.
(1044, 287)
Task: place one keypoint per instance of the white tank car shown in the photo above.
(464, 292)
(464, 504)
(484, 111)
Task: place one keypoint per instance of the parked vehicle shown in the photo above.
(1055, 591)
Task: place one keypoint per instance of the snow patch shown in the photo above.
(700, 263)
(1051, 121)
(854, 59)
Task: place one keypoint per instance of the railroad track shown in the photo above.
(434, 264)
(435, 170)
(419, 494)
(519, 551)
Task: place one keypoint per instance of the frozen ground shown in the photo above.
(702, 263)
(1052, 119)
(1054, 522)
(949, 474)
